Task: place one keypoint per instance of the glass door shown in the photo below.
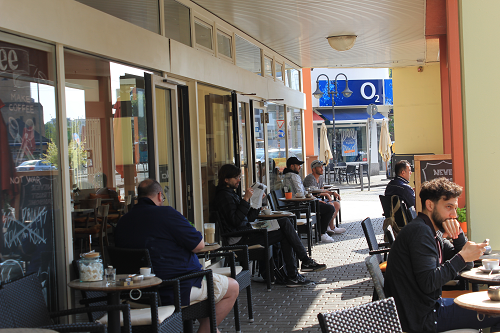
(277, 154)
(167, 155)
(259, 138)
(243, 140)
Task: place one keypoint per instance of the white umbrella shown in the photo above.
(384, 146)
(325, 153)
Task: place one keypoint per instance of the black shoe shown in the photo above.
(310, 265)
(298, 281)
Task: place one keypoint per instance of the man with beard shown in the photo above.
(422, 260)
(236, 214)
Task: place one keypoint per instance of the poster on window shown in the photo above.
(349, 142)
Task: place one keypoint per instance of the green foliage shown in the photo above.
(461, 214)
(52, 154)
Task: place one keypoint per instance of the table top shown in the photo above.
(101, 285)
(82, 210)
(275, 214)
(209, 248)
(297, 199)
(480, 302)
(478, 276)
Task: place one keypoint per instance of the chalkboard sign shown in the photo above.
(429, 167)
(408, 157)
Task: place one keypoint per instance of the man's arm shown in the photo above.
(199, 247)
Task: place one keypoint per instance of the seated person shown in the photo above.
(422, 260)
(400, 185)
(105, 191)
(172, 243)
(236, 213)
(293, 182)
(317, 180)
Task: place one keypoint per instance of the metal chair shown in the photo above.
(380, 316)
(22, 305)
(394, 207)
(374, 247)
(350, 173)
(372, 264)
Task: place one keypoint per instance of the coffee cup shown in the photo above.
(209, 233)
(490, 264)
(146, 271)
(267, 211)
(299, 195)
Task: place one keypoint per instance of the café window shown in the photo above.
(278, 70)
(268, 66)
(294, 128)
(224, 44)
(292, 77)
(248, 55)
(203, 34)
(177, 22)
(30, 196)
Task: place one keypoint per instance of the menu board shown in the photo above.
(429, 167)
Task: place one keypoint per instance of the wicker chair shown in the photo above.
(22, 305)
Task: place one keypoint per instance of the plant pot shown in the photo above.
(463, 225)
(288, 195)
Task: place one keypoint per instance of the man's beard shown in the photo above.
(234, 187)
(438, 219)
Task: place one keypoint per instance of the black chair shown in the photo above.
(374, 247)
(389, 236)
(380, 316)
(22, 305)
(372, 264)
(350, 173)
(396, 208)
(131, 260)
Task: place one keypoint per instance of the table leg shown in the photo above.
(114, 315)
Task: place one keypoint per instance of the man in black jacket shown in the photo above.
(421, 261)
(400, 185)
(236, 214)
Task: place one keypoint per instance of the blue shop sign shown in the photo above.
(364, 92)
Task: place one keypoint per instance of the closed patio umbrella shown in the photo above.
(325, 153)
(384, 146)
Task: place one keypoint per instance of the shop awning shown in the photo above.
(347, 115)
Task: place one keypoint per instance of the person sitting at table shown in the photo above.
(293, 182)
(317, 180)
(400, 185)
(422, 260)
(172, 243)
(236, 214)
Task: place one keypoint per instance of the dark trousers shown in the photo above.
(452, 317)
(290, 243)
(326, 212)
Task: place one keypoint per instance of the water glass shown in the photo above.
(110, 275)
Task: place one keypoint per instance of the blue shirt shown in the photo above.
(170, 239)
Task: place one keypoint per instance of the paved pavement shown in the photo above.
(344, 283)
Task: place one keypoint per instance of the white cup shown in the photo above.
(490, 264)
(299, 195)
(146, 271)
(267, 211)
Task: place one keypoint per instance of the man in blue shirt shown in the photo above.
(400, 185)
(172, 243)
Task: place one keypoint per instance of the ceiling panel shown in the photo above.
(390, 33)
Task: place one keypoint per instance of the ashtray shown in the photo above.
(138, 278)
(494, 293)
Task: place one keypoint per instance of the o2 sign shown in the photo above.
(364, 92)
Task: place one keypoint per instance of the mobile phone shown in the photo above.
(487, 241)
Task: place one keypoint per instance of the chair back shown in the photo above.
(371, 239)
(372, 264)
(22, 304)
(379, 316)
(351, 169)
(278, 194)
(129, 261)
(396, 211)
(272, 202)
(389, 235)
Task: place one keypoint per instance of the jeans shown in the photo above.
(452, 317)
(290, 243)
(326, 212)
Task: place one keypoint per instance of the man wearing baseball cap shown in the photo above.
(292, 180)
(317, 180)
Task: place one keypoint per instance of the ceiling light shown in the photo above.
(342, 43)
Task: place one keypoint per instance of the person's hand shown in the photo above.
(327, 196)
(248, 194)
(472, 251)
(337, 196)
(451, 228)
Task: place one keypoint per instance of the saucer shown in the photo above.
(149, 276)
(485, 270)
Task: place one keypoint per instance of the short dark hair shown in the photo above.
(148, 188)
(439, 188)
(400, 167)
(228, 171)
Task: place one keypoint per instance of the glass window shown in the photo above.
(279, 71)
(203, 33)
(268, 66)
(248, 56)
(242, 130)
(260, 137)
(144, 13)
(30, 196)
(177, 22)
(276, 144)
(294, 129)
(216, 138)
(292, 77)
(224, 44)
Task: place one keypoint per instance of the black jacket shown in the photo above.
(401, 187)
(234, 212)
(414, 275)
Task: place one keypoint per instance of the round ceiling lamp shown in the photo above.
(342, 42)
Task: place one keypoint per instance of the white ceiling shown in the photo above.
(390, 32)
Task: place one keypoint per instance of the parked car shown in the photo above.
(36, 165)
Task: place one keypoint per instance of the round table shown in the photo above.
(275, 215)
(113, 294)
(476, 276)
(479, 302)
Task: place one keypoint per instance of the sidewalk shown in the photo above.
(344, 283)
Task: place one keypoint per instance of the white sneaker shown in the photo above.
(338, 230)
(327, 239)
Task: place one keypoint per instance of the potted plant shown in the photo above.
(461, 218)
